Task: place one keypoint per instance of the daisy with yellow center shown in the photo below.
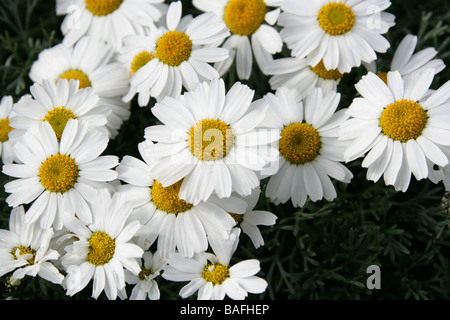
(24, 250)
(92, 64)
(399, 128)
(145, 283)
(56, 176)
(310, 153)
(408, 62)
(212, 140)
(342, 34)
(6, 130)
(296, 73)
(107, 20)
(173, 223)
(57, 103)
(212, 276)
(103, 249)
(252, 33)
(177, 55)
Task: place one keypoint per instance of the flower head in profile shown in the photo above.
(25, 250)
(104, 248)
(212, 275)
(91, 62)
(409, 63)
(106, 20)
(55, 176)
(310, 153)
(341, 33)
(251, 24)
(399, 128)
(296, 73)
(211, 141)
(164, 60)
(6, 142)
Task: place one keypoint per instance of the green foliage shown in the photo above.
(320, 251)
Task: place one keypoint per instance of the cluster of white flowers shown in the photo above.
(179, 211)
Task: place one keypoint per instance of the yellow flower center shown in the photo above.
(140, 60)
(144, 274)
(324, 73)
(79, 75)
(403, 120)
(5, 129)
(244, 17)
(300, 143)
(101, 248)
(24, 250)
(210, 139)
(58, 117)
(237, 217)
(167, 200)
(215, 273)
(173, 48)
(58, 173)
(102, 7)
(336, 18)
(383, 76)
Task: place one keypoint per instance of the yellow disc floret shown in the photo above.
(102, 7)
(101, 248)
(215, 273)
(237, 217)
(22, 251)
(79, 75)
(403, 120)
(383, 76)
(300, 143)
(336, 18)
(140, 60)
(210, 139)
(58, 117)
(244, 17)
(166, 198)
(173, 48)
(144, 274)
(5, 129)
(58, 173)
(324, 73)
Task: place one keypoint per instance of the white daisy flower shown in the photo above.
(310, 153)
(145, 284)
(56, 103)
(103, 248)
(91, 62)
(402, 129)
(6, 143)
(173, 222)
(166, 59)
(107, 20)
(251, 219)
(296, 73)
(408, 63)
(59, 176)
(341, 33)
(211, 140)
(252, 32)
(211, 274)
(24, 249)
